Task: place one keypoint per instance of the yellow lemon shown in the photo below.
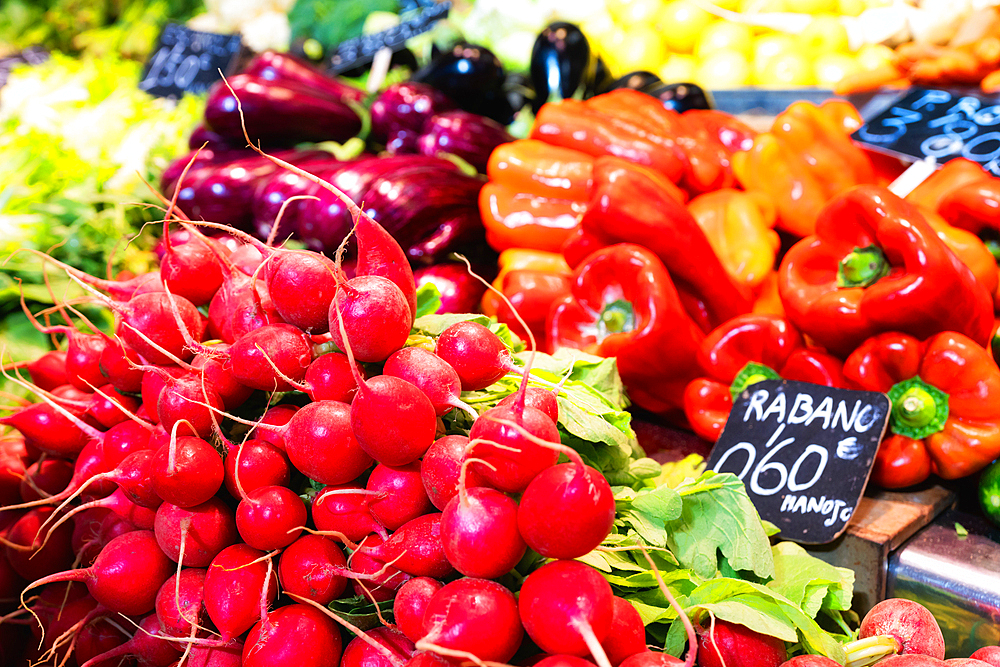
(832, 67)
(788, 69)
(608, 45)
(725, 68)
(850, 7)
(725, 36)
(731, 5)
(811, 6)
(597, 25)
(824, 34)
(642, 48)
(769, 45)
(639, 12)
(873, 56)
(678, 68)
(681, 22)
(760, 6)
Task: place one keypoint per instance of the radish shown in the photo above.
(49, 370)
(154, 379)
(146, 645)
(398, 494)
(543, 399)
(191, 270)
(263, 358)
(148, 326)
(269, 427)
(229, 655)
(360, 652)
(47, 428)
(294, 635)
(410, 603)
(522, 457)
(567, 607)
(119, 290)
(657, 659)
(320, 442)
(425, 659)
(344, 510)
(329, 378)
(432, 375)
(566, 511)
(385, 579)
(270, 517)
(313, 567)
(220, 377)
(110, 527)
(292, 274)
(119, 364)
(479, 533)
(563, 660)
(900, 626)
(257, 463)
(45, 478)
(627, 635)
(376, 317)
(912, 660)
(734, 645)
(809, 661)
(474, 617)
(990, 654)
(415, 548)
(35, 552)
(380, 255)
(234, 589)
(180, 602)
(126, 575)
(182, 401)
(478, 356)
(405, 437)
(13, 464)
(187, 471)
(83, 351)
(97, 638)
(440, 469)
(204, 531)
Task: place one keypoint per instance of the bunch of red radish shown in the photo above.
(190, 557)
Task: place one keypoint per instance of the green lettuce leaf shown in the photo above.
(808, 582)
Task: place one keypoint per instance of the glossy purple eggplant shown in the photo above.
(202, 136)
(405, 106)
(467, 135)
(278, 112)
(272, 193)
(275, 66)
(460, 292)
(198, 159)
(473, 78)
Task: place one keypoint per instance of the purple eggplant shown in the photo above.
(405, 106)
(460, 292)
(280, 67)
(272, 193)
(467, 135)
(473, 78)
(278, 112)
(202, 136)
(198, 159)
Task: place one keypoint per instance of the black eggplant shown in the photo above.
(274, 66)
(278, 112)
(639, 80)
(467, 135)
(473, 78)
(563, 65)
(680, 97)
(406, 106)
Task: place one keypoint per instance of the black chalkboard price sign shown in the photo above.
(938, 124)
(361, 50)
(187, 61)
(804, 451)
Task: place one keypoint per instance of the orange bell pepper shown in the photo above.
(740, 228)
(804, 161)
(529, 165)
(953, 175)
(515, 219)
(522, 259)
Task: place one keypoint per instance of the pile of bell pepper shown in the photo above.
(707, 257)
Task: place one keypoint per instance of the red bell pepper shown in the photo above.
(876, 265)
(945, 395)
(747, 349)
(623, 304)
(632, 204)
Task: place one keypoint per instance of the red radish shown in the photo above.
(432, 375)
(187, 471)
(735, 645)
(110, 527)
(426, 659)
(543, 399)
(24, 548)
(908, 623)
(97, 638)
(512, 468)
(566, 511)
(83, 351)
(410, 603)
(119, 290)
(49, 370)
(360, 653)
(154, 379)
(567, 607)
(329, 378)
(146, 645)
(313, 567)
(478, 356)
(148, 326)
(344, 509)
(234, 587)
(440, 469)
(809, 661)
(230, 655)
(627, 635)
(182, 401)
(657, 659)
(14, 461)
(259, 463)
(563, 660)
(45, 478)
(270, 517)
(380, 255)
(205, 530)
(264, 357)
(123, 439)
(376, 317)
(415, 548)
(402, 439)
(119, 364)
(191, 270)
(47, 428)
(385, 579)
(218, 376)
(990, 654)
(479, 533)
(292, 274)
(294, 635)
(126, 575)
(966, 662)
(321, 444)
(269, 427)
(180, 602)
(912, 660)
(398, 494)
(472, 616)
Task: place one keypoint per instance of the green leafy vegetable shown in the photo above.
(428, 299)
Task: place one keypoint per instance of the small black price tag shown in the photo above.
(361, 50)
(938, 124)
(804, 451)
(187, 61)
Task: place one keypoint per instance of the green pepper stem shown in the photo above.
(617, 317)
(862, 267)
(867, 651)
(919, 409)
